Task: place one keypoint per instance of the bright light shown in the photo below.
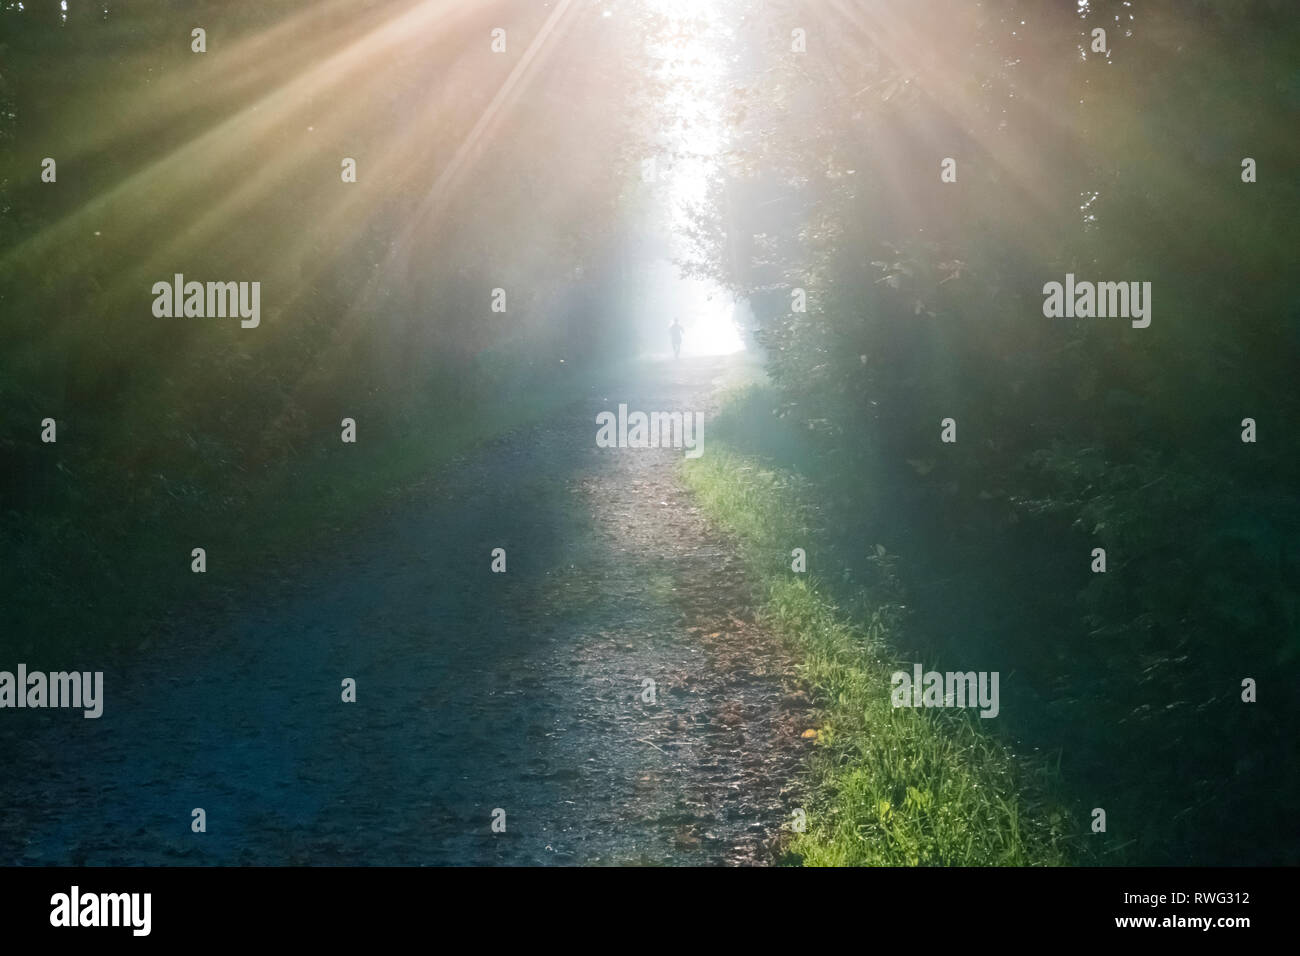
(692, 139)
(709, 316)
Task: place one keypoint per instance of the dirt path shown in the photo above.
(476, 691)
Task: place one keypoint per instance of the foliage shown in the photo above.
(925, 302)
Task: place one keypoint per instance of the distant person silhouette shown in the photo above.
(675, 333)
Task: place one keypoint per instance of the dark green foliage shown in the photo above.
(925, 302)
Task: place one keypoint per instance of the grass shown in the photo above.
(895, 787)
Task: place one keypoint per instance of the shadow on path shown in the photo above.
(476, 691)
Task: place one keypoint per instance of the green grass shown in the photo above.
(902, 786)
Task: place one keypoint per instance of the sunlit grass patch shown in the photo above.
(892, 786)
